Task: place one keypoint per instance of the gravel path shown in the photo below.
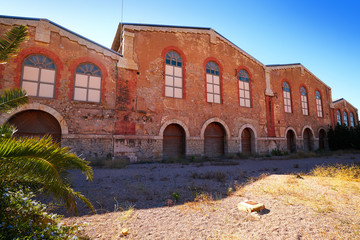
(145, 189)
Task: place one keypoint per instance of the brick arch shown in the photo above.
(41, 107)
(321, 128)
(38, 51)
(174, 121)
(254, 135)
(72, 68)
(211, 120)
(305, 127)
(292, 129)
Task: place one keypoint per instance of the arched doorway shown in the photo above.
(214, 140)
(307, 136)
(291, 141)
(173, 141)
(322, 136)
(246, 141)
(36, 123)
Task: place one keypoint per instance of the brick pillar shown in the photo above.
(270, 123)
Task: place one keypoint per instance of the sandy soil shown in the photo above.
(137, 198)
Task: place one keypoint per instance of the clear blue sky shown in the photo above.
(323, 35)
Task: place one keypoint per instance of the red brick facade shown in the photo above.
(134, 114)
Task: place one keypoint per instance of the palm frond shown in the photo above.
(10, 42)
(41, 164)
(12, 98)
(6, 131)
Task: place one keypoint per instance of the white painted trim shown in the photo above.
(211, 120)
(312, 131)
(290, 128)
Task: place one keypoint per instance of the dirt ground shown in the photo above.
(141, 199)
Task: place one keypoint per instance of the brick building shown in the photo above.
(162, 91)
(345, 113)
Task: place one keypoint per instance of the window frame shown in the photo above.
(100, 89)
(319, 107)
(38, 81)
(304, 102)
(338, 117)
(212, 69)
(287, 98)
(248, 82)
(346, 121)
(352, 120)
(173, 76)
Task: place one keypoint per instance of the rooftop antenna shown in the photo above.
(121, 23)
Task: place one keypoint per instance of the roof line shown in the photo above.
(59, 26)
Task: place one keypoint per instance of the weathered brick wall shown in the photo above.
(343, 106)
(296, 77)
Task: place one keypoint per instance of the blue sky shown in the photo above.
(323, 35)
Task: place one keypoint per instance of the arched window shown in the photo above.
(304, 101)
(287, 97)
(38, 76)
(213, 83)
(338, 117)
(352, 122)
(87, 85)
(318, 104)
(173, 75)
(346, 119)
(244, 89)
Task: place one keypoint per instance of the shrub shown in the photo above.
(24, 218)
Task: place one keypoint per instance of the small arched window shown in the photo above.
(346, 119)
(213, 91)
(304, 101)
(338, 117)
(352, 122)
(287, 97)
(244, 89)
(173, 75)
(87, 85)
(38, 76)
(318, 104)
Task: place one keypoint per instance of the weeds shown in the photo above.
(338, 171)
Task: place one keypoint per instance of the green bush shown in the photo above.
(21, 217)
(343, 137)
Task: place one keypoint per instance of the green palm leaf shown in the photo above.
(10, 42)
(41, 164)
(11, 99)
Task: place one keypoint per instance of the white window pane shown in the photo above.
(169, 70)
(216, 80)
(217, 89)
(47, 76)
(169, 81)
(241, 84)
(210, 97)
(178, 71)
(81, 80)
(209, 78)
(285, 94)
(247, 103)
(247, 94)
(242, 93)
(169, 92)
(210, 88)
(246, 86)
(216, 98)
(94, 95)
(178, 92)
(94, 82)
(31, 73)
(80, 94)
(178, 82)
(30, 88)
(242, 102)
(46, 90)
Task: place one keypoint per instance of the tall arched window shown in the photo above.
(346, 119)
(173, 75)
(304, 101)
(244, 89)
(38, 76)
(352, 122)
(287, 97)
(87, 85)
(338, 117)
(213, 82)
(318, 104)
